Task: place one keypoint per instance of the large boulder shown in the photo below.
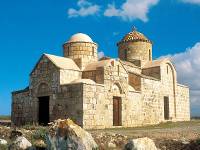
(20, 143)
(65, 134)
(140, 144)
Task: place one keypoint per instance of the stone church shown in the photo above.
(132, 90)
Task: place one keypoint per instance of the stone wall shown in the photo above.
(98, 100)
(152, 106)
(95, 106)
(182, 103)
(152, 72)
(168, 87)
(130, 67)
(132, 110)
(139, 50)
(21, 106)
(67, 76)
(82, 53)
(98, 107)
(134, 81)
(68, 103)
(95, 75)
(48, 75)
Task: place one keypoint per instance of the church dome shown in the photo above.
(80, 37)
(135, 36)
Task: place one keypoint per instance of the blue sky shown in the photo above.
(30, 28)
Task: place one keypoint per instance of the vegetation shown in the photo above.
(196, 118)
(3, 147)
(5, 117)
(40, 133)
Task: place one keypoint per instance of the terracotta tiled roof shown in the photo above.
(134, 36)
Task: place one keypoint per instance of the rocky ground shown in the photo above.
(167, 136)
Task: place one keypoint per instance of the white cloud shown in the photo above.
(191, 1)
(85, 9)
(100, 54)
(131, 10)
(188, 71)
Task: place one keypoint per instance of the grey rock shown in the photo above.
(65, 134)
(140, 144)
(21, 143)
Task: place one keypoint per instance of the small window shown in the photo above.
(67, 51)
(166, 108)
(118, 69)
(92, 51)
(125, 54)
(167, 69)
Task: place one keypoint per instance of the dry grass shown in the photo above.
(5, 117)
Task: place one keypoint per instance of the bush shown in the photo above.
(4, 117)
(3, 147)
(40, 133)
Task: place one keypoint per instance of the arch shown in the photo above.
(174, 83)
(43, 89)
(117, 89)
(172, 68)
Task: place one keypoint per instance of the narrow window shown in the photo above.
(118, 70)
(125, 54)
(166, 108)
(149, 55)
(67, 51)
(92, 51)
(167, 69)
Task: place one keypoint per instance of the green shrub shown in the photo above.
(40, 133)
(5, 117)
(198, 141)
(3, 147)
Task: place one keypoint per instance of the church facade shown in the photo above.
(132, 90)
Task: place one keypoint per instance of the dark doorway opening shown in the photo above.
(166, 108)
(117, 111)
(43, 117)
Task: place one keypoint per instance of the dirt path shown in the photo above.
(180, 135)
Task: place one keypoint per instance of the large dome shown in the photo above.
(134, 35)
(80, 37)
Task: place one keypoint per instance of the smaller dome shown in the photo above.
(134, 35)
(80, 37)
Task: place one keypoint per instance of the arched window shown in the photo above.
(116, 89)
